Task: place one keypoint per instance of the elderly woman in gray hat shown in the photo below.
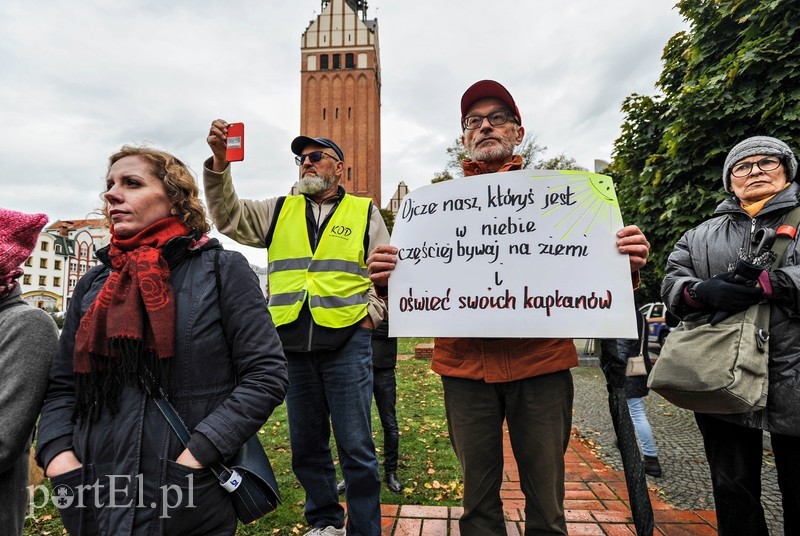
(760, 173)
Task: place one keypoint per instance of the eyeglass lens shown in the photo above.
(765, 164)
(313, 157)
(496, 119)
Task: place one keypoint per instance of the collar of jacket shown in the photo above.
(13, 298)
(477, 167)
(785, 199)
(335, 198)
(174, 251)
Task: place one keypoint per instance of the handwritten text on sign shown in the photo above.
(526, 253)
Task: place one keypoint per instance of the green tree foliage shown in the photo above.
(388, 219)
(561, 161)
(734, 74)
(442, 176)
(529, 150)
(455, 154)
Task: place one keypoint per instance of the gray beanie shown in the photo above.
(759, 145)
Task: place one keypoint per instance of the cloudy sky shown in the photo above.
(79, 79)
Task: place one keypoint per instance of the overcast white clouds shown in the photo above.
(79, 79)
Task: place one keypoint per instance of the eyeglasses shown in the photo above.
(746, 168)
(473, 122)
(313, 157)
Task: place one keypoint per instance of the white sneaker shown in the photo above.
(330, 530)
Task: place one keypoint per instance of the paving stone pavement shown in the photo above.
(686, 483)
(596, 503)
(597, 500)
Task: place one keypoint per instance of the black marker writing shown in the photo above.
(409, 209)
(426, 251)
(500, 199)
(558, 198)
(425, 303)
(559, 301)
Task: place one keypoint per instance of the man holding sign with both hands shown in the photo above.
(525, 382)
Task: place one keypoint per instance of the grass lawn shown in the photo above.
(428, 467)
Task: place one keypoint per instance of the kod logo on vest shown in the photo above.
(341, 231)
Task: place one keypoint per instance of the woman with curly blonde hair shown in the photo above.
(178, 181)
(168, 312)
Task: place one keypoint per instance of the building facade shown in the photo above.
(66, 250)
(64, 253)
(341, 90)
(397, 197)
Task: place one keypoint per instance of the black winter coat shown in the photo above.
(712, 248)
(227, 376)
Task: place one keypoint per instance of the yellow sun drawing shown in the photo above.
(595, 201)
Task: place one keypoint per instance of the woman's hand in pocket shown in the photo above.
(187, 459)
(63, 462)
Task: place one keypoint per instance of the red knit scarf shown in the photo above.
(130, 327)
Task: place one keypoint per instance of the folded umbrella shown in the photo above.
(614, 370)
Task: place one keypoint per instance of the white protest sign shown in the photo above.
(526, 253)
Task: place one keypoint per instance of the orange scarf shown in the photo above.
(477, 167)
(755, 207)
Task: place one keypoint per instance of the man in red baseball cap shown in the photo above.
(488, 89)
(525, 382)
(492, 128)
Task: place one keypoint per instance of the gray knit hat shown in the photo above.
(759, 145)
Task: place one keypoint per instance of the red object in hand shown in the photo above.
(786, 230)
(234, 149)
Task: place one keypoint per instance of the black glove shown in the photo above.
(723, 295)
(746, 273)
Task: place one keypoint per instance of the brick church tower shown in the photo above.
(341, 90)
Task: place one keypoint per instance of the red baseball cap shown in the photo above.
(487, 88)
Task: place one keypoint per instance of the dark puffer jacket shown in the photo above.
(710, 249)
(227, 376)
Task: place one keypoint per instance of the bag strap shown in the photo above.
(218, 277)
(224, 475)
(779, 248)
(164, 407)
(782, 241)
(642, 339)
(170, 414)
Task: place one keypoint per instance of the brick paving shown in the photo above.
(596, 503)
(686, 482)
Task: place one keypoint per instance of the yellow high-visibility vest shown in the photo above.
(333, 278)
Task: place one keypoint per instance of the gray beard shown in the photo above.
(313, 185)
(493, 153)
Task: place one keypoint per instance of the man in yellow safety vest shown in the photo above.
(324, 308)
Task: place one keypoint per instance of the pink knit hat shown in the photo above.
(18, 235)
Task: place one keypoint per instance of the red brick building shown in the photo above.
(341, 90)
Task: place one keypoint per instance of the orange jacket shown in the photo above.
(500, 360)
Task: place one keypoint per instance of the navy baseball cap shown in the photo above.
(487, 88)
(300, 143)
